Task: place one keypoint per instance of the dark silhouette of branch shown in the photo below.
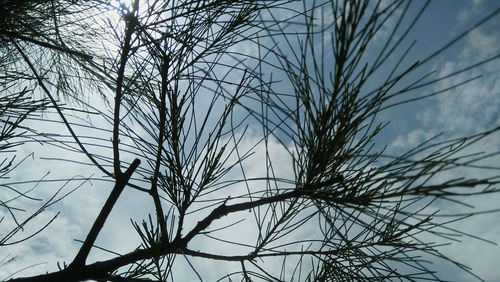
(121, 183)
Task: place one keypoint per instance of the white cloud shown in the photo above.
(473, 107)
(412, 139)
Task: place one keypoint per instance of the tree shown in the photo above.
(183, 107)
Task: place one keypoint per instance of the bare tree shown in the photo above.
(194, 90)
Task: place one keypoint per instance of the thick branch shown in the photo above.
(130, 26)
(100, 269)
(224, 210)
(103, 268)
(252, 255)
(161, 139)
(121, 182)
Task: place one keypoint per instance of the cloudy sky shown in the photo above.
(465, 110)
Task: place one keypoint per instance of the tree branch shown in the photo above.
(130, 27)
(121, 182)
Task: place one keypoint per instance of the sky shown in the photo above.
(462, 111)
(465, 110)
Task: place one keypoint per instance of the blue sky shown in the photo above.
(463, 111)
